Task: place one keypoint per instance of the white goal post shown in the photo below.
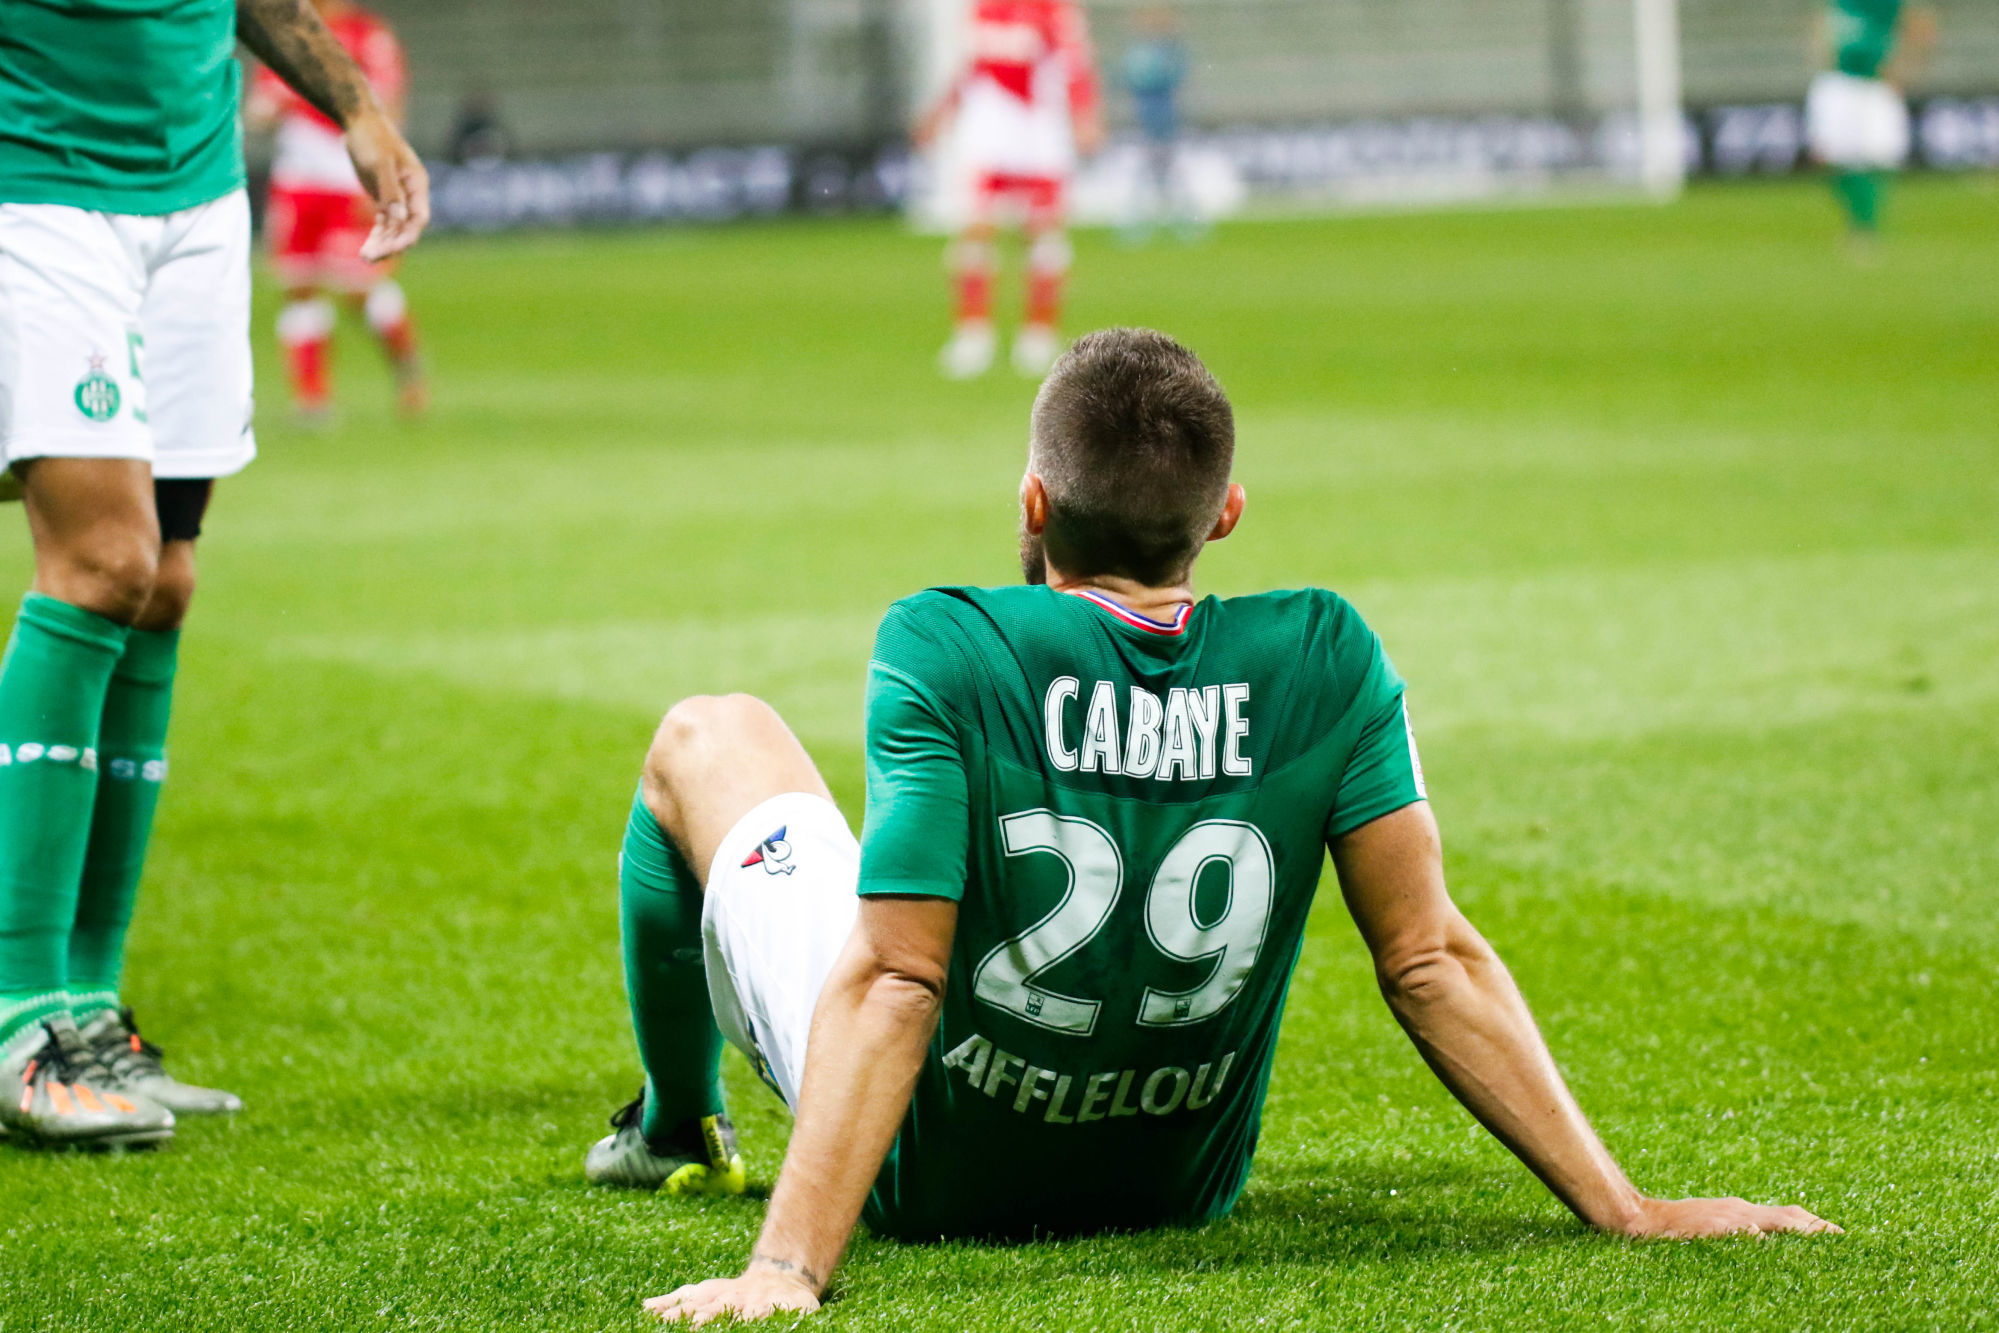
(1662, 129)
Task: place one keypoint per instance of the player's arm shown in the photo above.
(930, 125)
(869, 1033)
(289, 37)
(1460, 1007)
(1915, 42)
(878, 1011)
(1818, 40)
(1086, 104)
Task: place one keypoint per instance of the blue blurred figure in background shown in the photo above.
(1155, 67)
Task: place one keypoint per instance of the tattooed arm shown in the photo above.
(288, 36)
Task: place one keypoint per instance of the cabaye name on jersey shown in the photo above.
(1190, 734)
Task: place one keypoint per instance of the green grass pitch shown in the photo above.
(1684, 529)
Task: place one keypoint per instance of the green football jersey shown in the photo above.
(122, 106)
(1133, 818)
(1863, 34)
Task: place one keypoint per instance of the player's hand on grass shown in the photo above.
(759, 1293)
(394, 177)
(1692, 1219)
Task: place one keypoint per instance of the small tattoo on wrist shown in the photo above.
(786, 1266)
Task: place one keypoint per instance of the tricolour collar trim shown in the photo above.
(1177, 625)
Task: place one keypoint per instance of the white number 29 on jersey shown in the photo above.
(1006, 977)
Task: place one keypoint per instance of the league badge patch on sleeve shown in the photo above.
(773, 854)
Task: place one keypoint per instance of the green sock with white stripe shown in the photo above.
(659, 902)
(132, 763)
(52, 688)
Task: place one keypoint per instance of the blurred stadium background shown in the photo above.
(644, 109)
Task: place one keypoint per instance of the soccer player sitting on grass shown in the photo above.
(1097, 814)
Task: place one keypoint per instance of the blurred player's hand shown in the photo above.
(757, 1294)
(930, 125)
(1090, 134)
(394, 178)
(1691, 1219)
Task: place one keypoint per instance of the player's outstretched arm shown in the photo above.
(874, 1020)
(929, 126)
(1915, 43)
(289, 36)
(1459, 1005)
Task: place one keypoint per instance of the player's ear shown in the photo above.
(1231, 512)
(1033, 505)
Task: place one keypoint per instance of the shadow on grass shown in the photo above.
(1348, 1216)
(1356, 1219)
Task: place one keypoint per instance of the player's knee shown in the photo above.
(306, 321)
(968, 254)
(679, 732)
(696, 732)
(1050, 253)
(385, 306)
(704, 722)
(113, 575)
(173, 589)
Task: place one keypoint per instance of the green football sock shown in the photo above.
(132, 763)
(659, 903)
(52, 689)
(1860, 195)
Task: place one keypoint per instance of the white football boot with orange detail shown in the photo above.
(57, 1094)
(133, 1065)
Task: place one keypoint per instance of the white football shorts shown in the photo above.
(1857, 123)
(1000, 133)
(127, 337)
(779, 906)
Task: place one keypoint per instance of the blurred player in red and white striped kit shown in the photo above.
(1025, 105)
(319, 215)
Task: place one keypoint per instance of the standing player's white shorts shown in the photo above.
(124, 336)
(779, 906)
(1857, 123)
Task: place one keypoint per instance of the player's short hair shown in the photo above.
(1133, 440)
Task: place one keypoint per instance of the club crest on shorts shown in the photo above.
(97, 395)
(773, 854)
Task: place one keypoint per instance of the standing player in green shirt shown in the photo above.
(124, 394)
(1855, 118)
(1097, 814)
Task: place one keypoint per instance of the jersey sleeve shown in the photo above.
(915, 835)
(1383, 773)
